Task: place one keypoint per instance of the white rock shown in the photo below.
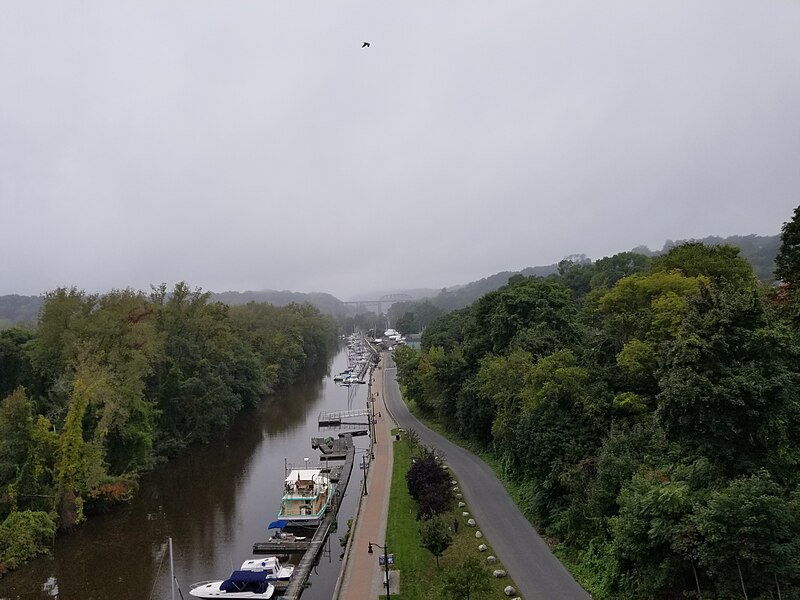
(478, 534)
(454, 482)
(509, 591)
(465, 514)
(461, 505)
(482, 548)
(490, 560)
(459, 496)
(471, 522)
(499, 573)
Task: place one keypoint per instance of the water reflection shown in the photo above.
(214, 501)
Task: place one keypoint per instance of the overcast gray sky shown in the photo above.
(248, 145)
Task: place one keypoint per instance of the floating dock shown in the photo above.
(341, 417)
(281, 547)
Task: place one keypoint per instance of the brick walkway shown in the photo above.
(362, 578)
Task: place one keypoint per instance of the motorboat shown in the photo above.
(284, 536)
(306, 496)
(271, 566)
(241, 584)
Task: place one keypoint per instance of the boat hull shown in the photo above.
(211, 590)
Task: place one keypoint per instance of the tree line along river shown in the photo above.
(215, 501)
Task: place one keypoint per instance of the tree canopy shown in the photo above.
(107, 385)
(645, 410)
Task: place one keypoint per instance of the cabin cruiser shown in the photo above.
(306, 496)
(271, 566)
(241, 584)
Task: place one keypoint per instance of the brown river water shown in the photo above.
(214, 501)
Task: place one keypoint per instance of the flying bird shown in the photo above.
(365, 45)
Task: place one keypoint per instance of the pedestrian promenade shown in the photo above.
(362, 578)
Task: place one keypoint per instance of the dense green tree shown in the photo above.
(447, 331)
(468, 579)
(720, 263)
(407, 323)
(113, 381)
(23, 535)
(576, 273)
(728, 384)
(644, 410)
(749, 536)
(15, 368)
(646, 306)
(534, 315)
(609, 270)
(435, 536)
(650, 531)
(26, 456)
(787, 263)
(16, 425)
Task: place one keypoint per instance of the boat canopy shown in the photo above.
(246, 581)
(278, 525)
(303, 475)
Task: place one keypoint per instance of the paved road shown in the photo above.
(538, 574)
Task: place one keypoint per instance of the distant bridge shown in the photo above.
(377, 305)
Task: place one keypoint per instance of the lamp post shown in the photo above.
(364, 468)
(385, 563)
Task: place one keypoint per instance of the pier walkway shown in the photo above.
(361, 578)
(340, 417)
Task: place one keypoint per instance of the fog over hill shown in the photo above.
(759, 250)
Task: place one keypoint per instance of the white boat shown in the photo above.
(283, 536)
(241, 584)
(306, 496)
(271, 566)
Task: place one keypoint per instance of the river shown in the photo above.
(215, 501)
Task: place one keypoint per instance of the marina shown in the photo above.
(330, 448)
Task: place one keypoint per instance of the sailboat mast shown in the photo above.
(171, 572)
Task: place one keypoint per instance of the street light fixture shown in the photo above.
(385, 563)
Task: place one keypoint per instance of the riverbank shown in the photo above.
(215, 501)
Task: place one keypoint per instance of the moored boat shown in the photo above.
(271, 566)
(241, 584)
(306, 496)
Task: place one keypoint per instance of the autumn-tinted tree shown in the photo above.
(429, 484)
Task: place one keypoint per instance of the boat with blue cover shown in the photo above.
(241, 584)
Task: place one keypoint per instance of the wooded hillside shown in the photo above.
(645, 410)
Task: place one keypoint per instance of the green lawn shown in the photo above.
(420, 579)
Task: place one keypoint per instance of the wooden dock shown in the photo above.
(311, 548)
(281, 547)
(303, 569)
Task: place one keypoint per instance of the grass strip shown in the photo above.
(420, 578)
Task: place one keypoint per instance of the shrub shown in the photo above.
(429, 484)
(23, 535)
